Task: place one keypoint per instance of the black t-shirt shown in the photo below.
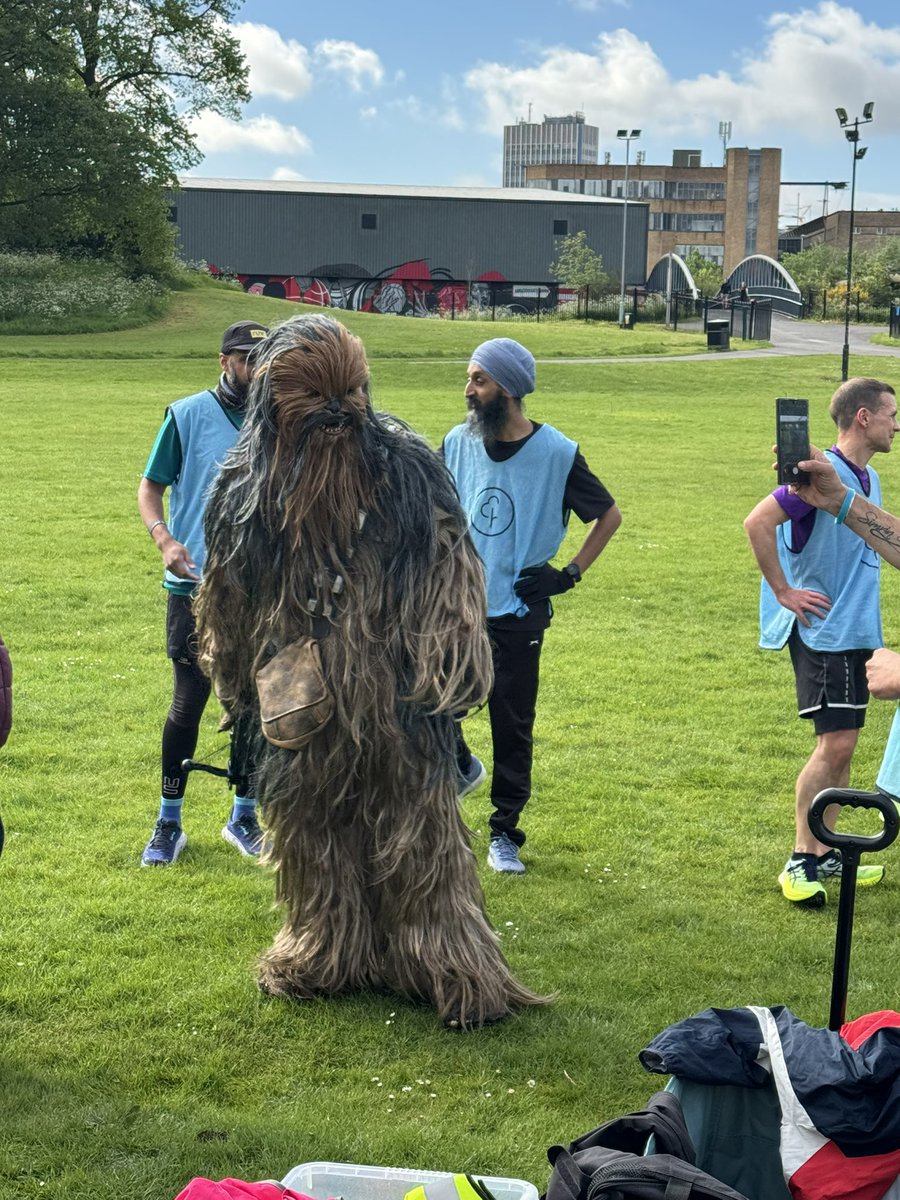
(584, 495)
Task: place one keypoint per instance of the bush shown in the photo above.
(46, 293)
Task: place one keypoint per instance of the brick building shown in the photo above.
(724, 212)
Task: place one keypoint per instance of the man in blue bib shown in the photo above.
(821, 597)
(518, 480)
(880, 530)
(186, 457)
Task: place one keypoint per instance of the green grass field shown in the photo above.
(135, 1049)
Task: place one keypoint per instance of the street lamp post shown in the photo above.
(851, 132)
(624, 136)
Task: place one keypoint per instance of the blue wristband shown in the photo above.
(845, 507)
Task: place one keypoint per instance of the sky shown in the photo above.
(396, 91)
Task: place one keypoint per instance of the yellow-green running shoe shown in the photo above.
(830, 866)
(800, 882)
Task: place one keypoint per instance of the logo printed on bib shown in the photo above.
(492, 512)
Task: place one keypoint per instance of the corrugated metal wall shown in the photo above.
(270, 233)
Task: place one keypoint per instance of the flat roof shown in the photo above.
(306, 187)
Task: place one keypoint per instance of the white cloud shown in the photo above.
(277, 67)
(357, 65)
(812, 61)
(412, 107)
(286, 173)
(598, 5)
(369, 113)
(265, 134)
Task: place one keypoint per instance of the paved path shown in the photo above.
(788, 338)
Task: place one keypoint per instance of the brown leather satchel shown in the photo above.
(294, 700)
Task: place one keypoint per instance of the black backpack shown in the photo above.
(610, 1162)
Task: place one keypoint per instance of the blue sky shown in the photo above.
(394, 91)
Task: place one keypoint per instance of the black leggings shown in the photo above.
(182, 727)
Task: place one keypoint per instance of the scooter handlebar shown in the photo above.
(850, 798)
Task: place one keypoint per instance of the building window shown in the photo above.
(714, 254)
(560, 228)
(369, 221)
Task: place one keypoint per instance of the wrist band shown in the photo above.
(150, 528)
(845, 507)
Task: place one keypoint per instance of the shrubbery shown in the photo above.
(46, 293)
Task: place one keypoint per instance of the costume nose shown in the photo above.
(334, 405)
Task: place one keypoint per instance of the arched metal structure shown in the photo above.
(681, 279)
(764, 278)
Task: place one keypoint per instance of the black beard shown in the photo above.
(486, 420)
(233, 391)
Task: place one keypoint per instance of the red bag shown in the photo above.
(237, 1189)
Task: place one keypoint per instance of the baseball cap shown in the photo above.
(243, 336)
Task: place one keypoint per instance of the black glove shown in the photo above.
(539, 583)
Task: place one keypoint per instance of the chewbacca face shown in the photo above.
(320, 383)
(313, 382)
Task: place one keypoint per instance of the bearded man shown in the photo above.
(190, 447)
(519, 481)
(332, 522)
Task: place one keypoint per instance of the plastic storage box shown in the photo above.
(348, 1181)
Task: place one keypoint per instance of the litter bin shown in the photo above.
(628, 320)
(718, 335)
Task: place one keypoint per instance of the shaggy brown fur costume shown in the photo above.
(373, 862)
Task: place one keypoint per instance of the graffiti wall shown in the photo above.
(411, 289)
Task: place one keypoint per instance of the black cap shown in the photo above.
(242, 337)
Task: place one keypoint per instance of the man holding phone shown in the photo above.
(820, 597)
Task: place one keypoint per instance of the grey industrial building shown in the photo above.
(393, 248)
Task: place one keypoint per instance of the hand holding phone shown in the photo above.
(791, 438)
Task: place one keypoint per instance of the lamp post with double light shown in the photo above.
(851, 132)
(624, 136)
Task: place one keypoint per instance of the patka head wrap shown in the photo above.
(508, 363)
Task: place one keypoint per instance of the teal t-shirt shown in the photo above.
(164, 466)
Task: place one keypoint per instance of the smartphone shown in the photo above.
(792, 438)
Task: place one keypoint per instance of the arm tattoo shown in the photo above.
(876, 529)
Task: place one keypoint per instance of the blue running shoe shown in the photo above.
(168, 841)
(245, 834)
(472, 779)
(503, 856)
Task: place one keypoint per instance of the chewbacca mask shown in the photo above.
(332, 521)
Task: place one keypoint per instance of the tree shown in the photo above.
(96, 98)
(818, 268)
(580, 267)
(879, 272)
(707, 275)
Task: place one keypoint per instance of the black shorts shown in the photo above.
(181, 631)
(832, 690)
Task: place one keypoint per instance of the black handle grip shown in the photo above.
(850, 798)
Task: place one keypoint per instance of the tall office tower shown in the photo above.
(558, 140)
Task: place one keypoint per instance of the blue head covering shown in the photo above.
(508, 363)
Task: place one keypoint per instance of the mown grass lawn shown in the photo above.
(135, 1050)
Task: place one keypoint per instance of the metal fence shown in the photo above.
(451, 299)
(749, 320)
(819, 304)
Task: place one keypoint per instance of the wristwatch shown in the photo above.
(574, 570)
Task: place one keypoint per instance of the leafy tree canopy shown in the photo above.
(96, 98)
(706, 274)
(578, 266)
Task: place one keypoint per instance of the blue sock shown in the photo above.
(170, 810)
(243, 807)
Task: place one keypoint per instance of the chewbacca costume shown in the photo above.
(332, 521)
